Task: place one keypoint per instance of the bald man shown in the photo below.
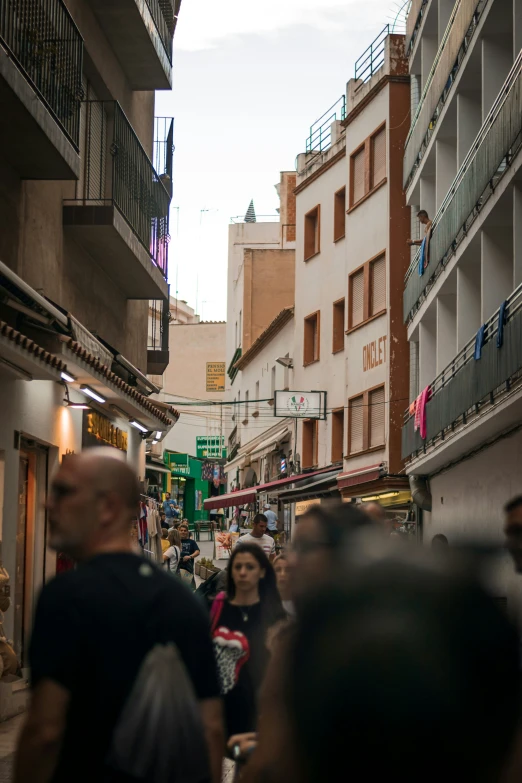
(94, 627)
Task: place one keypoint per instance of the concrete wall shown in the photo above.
(191, 347)
(269, 284)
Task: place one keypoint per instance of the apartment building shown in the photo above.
(351, 254)
(83, 249)
(462, 164)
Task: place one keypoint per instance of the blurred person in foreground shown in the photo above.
(97, 625)
(405, 670)
(241, 620)
(284, 585)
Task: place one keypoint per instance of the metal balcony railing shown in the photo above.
(320, 137)
(47, 47)
(373, 58)
(467, 386)
(159, 319)
(117, 171)
(490, 156)
(162, 13)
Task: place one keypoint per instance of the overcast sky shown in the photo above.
(249, 79)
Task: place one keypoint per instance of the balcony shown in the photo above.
(472, 400)
(489, 160)
(120, 215)
(140, 32)
(41, 54)
(158, 342)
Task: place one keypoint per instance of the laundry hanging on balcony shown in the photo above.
(502, 318)
(480, 339)
(420, 422)
(424, 255)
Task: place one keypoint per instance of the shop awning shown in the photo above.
(240, 498)
(360, 476)
(245, 496)
(325, 487)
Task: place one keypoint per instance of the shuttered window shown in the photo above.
(378, 154)
(337, 434)
(377, 418)
(377, 286)
(356, 434)
(357, 298)
(311, 348)
(310, 451)
(338, 326)
(358, 174)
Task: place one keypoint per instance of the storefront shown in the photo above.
(192, 482)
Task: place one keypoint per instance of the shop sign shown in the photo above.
(102, 429)
(180, 470)
(303, 506)
(215, 376)
(374, 354)
(210, 446)
(300, 404)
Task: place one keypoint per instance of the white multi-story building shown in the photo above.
(462, 164)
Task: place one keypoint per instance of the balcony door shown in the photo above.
(93, 148)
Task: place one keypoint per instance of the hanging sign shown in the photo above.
(215, 376)
(300, 404)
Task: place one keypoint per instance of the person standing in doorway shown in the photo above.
(271, 520)
(258, 536)
(189, 552)
(86, 656)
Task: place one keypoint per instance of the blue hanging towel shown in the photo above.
(502, 315)
(479, 342)
(422, 255)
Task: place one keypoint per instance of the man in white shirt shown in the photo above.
(271, 520)
(258, 536)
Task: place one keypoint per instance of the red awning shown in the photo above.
(240, 498)
(245, 496)
(359, 476)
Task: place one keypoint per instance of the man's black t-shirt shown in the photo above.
(188, 548)
(93, 629)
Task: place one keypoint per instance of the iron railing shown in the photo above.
(159, 319)
(117, 170)
(413, 157)
(163, 157)
(466, 386)
(163, 15)
(320, 137)
(373, 58)
(416, 27)
(47, 47)
(498, 141)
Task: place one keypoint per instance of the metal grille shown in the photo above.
(163, 16)
(159, 319)
(491, 153)
(320, 137)
(46, 45)
(373, 58)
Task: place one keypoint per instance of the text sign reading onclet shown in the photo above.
(215, 376)
(300, 404)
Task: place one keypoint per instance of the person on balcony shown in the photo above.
(426, 222)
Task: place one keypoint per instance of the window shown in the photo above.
(256, 411)
(367, 291)
(356, 425)
(286, 375)
(368, 166)
(367, 421)
(377, 418)
(377, 286)
(312, 236)
(339, 214)
(247, 396)
(309, 452)
(337, 434)
(378, 158)
(338, 326)
(311, 338)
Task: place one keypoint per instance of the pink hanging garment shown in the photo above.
(423, 399)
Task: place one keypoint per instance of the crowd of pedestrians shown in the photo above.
(349, 655)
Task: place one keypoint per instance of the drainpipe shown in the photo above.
(420, 492)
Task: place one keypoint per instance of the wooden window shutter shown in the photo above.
(377, 417)
(357, 298)
(378, 286)
(378, 157)
(356, 424)
(358, 188)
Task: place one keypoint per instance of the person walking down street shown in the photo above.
(284, 585)
(163, 521)
(164, 540)
(170, 507)
(241, 620)
(189, 552)
(96, 629)
(271, 520)
(258, 536)
(172, 556)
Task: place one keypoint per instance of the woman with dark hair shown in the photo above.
(241, 619)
